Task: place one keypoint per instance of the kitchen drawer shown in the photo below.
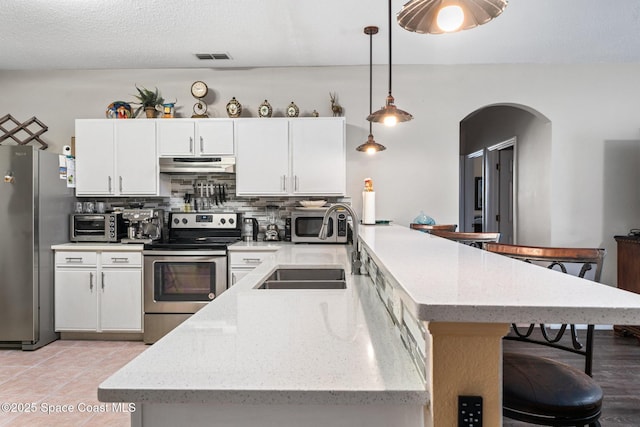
(119, 259)
(249, 259)
(76, 258)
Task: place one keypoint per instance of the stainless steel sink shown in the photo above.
(306, 278)
(303, 284)
(308, 274)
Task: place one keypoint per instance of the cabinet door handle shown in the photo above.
(284, 183)
(295, 180)
(191, 144)
(103, 280)
(90, 281)
(252, 260)
(201, 144)
(120, 184)
(119, 260)
(73, 259)
(109, 184)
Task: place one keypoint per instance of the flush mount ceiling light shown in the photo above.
(389, 114)
(446, 16)
(371, 146)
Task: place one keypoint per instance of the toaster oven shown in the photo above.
(107, 228)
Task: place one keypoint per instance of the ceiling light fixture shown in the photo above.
(371, 146)
(446, 16)
(389, 114)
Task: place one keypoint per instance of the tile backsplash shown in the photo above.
(255, 207)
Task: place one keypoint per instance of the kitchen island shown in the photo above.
(282, 357)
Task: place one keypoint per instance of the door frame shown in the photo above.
(491, 184)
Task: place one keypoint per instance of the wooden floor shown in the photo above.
(616, 367)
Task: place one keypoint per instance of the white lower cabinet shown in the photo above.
(98, 291)
(242, 263)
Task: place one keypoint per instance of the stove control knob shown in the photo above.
(222, 220)
(231, 221)
(184, 220)
(176, 221)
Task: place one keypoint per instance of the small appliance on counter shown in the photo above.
(95, 227)
(272, 233)
(250, 229)
(144, 225)
(306, 224)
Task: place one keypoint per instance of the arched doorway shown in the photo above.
(505, 151)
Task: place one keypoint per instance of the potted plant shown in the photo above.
(148, 101)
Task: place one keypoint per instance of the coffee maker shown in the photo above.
(144, 225)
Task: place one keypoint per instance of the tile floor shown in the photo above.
(62, 373)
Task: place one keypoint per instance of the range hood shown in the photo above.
(191, 165)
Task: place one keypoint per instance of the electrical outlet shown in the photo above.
(469, 411)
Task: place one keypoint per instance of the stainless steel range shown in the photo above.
(186, 272)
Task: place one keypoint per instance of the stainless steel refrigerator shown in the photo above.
(34, 214)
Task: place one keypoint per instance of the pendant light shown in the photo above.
(446, 16)
(371, 146)
(389, 114)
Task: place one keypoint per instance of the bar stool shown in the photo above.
(540, 390)
(476, 240)
(426, 228)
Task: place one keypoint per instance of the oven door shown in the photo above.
(89, 228)
(182, 281)
(305, 229)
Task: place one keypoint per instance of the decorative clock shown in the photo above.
(265, 109)
(234, 108)
(199, 90)
(293, 110)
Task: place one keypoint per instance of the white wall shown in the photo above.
(587, 106)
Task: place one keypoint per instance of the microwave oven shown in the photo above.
(306, 223)
(107, 228)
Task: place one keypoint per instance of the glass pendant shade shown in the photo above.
(428, 16)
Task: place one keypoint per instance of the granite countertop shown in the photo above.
(258, 246)
(340, 346)
(80, 246)
(446, 281)
(278, 346)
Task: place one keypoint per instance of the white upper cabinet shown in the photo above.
(95, 159)
(297, 156)
(195, 137)
(262, 159)
(136, 159)
(116, 158)
(318, 156)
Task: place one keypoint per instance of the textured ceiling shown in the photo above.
(95, 34)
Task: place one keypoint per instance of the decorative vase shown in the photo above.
(151, 112)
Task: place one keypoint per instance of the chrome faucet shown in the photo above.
(355, 252)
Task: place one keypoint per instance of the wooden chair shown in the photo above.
(428, 228)
(540, 390)
(477, 240)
